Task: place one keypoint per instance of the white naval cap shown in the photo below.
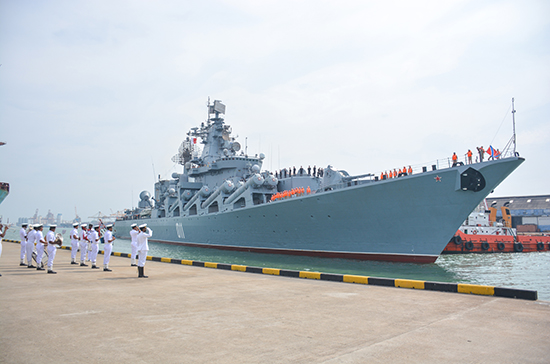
(75, 224)
(82, 225)
(133, 225)
(109, 226)
(96, 226)
(53, 226)
(142, 226)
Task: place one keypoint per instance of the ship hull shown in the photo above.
(405, 219)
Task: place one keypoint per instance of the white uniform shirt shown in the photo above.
(73, 234)
(38, 237)
(142, 239)
(94, 237)
(50, 237)
(107, 237)
(83, 235)
(31, 236)
(134, 234)
(23, 235)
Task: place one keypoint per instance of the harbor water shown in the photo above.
(512, 270)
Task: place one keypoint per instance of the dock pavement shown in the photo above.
(189, 314)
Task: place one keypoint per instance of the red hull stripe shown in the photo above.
(403, 258)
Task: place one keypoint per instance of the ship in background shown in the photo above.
(224, 200)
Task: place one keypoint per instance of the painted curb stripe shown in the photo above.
(347, 278)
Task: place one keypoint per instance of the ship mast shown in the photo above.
(514, 125)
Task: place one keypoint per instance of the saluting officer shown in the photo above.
(108, 238)
(133, 234)
(74, 243)
(23, 237)
(143, 248)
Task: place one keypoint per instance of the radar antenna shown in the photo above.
(185, 153)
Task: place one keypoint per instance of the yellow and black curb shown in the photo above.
(374, 281)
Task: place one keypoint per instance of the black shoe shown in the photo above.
(51, 272)
(40, 268)
(95, 267)
(133, 265)
(74, 263)
(31, 266)
(83, 265)
(107, 270)
(22, 264)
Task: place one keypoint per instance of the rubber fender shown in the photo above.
(457, 239)
(518, 247)
(469, 245)
(485, 245)
(500, 246)
(540, 245)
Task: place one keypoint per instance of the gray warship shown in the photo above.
(223, 199)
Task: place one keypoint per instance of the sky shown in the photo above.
(96, 96)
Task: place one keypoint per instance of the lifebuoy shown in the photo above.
(540, 245)
(469, 245)
(518, 247)
(457, 239)
(474, 232)
(500, 246)
(485, 245)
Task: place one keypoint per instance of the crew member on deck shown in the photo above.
(469, 154)
(74, 243)
(133, 235)
(455, 159)
(108, 238)
(23, 237)
(143, 248)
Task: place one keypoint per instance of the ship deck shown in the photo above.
(189, 314)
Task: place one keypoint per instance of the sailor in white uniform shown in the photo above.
(93, 237)
(40, 245)
(23, 238)
(31, 239)
(89, 247)
(2, 234)
(108, 238)
(133, 234)
(74, 243)
(143, 248)
(52, 249)
(83, 245)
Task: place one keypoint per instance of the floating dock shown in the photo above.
(187, 314)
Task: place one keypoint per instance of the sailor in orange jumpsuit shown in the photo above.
(455, 159)
(469, 156)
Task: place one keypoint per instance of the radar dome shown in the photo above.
(144, 195)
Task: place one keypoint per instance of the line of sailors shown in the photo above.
(396, 173)
(284, 173)
(87, 241)
(297, 191)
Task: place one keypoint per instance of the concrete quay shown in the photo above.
(188, 314)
